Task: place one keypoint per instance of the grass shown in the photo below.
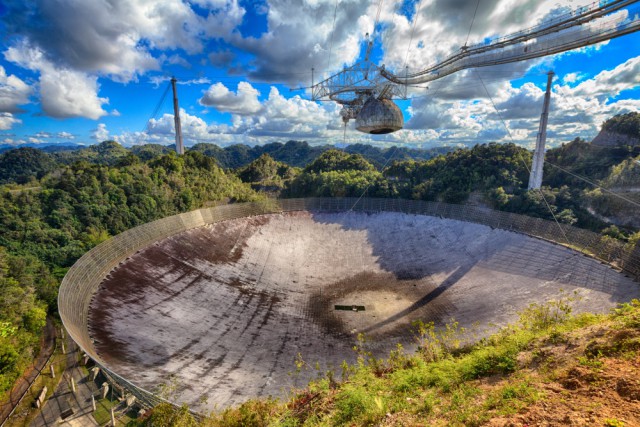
(444, 383)
(102, 414)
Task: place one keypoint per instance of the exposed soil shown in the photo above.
(580, 389)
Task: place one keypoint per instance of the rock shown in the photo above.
(628, 389)
(612, 139)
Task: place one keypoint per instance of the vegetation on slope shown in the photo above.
(266, 174)
(338, 174)
(584, 159)
(25, 289)
(550, 368)
(625, 124)
(23, 165)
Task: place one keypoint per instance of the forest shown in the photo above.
(55, 205)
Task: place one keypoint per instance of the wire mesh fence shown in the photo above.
(84, 277)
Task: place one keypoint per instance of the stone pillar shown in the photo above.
(53, 371)
(131, 399)
(73, 385)
(93, 403)
(94, 373)
(113, 418)
(105, 390)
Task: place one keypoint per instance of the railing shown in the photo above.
(24, 383)
(84, 277)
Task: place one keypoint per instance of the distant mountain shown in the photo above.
(301, 153)
(51, 148)
(293, 153)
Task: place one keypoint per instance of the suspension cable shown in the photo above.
(393, 153)
(413, 29)
(154, 114)
(333, 30)
(472, 21)
(588, 181)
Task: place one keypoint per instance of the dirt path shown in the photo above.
(47, 345)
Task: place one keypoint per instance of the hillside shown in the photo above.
(620, 130)
(550, 368)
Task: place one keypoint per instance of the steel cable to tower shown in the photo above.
(154, 114)
(522, 160)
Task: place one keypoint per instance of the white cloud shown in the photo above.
(293, 117)
(609, 83)
(65, 135)
(572, 77)
(101, 133)
(275, 117)
(244, 101)
(304, 36)
(441, 27)
(7, 121)
(13, 92)
(64, 92)
(117, 38)
(575, 111)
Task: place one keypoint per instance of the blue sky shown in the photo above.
(86, 71)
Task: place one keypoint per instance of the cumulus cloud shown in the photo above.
(65, 135)
(291, 117)
(244, 101)
(7, 121)
(275, 117)
(13, 92)
(440, 27)
(101, 133)
(609, 83)
(64, 92)
(524, 102)
(303, 37)
(116, 38)
(512, 114)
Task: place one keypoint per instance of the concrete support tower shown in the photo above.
(176, 117)
(535, 179)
